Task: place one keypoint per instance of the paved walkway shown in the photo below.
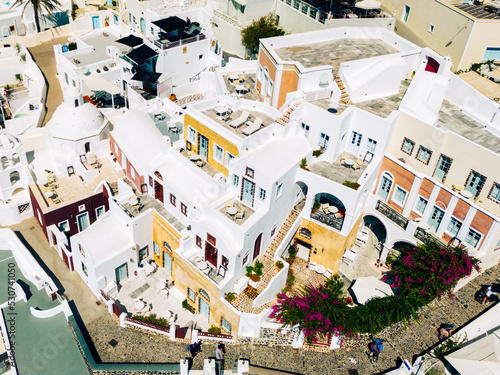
(133, 345)
(44, 57)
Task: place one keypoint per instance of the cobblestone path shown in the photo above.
(402, 342)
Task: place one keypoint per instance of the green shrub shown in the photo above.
(352, 185)
(279, 264)
(113, 3)
(316, 205)
(214, 330)
(249, 271)
(187, 306)
(231, 296)
(317, 152)
(72, 46)
(153, 320)
(303, 163)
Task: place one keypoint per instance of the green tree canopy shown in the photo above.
(50, 6)
(264, 27)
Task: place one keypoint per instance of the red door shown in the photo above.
(159, 191)
(256, 248)
(432, 65)
(211, 254)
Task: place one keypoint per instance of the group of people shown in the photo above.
(195, 348)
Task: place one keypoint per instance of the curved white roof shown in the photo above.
(76, 123)
(8, 142)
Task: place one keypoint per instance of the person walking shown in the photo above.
(445, 330)
(375, 347)
(194, 349)
(219, 359)
(490, 294)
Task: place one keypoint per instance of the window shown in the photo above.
(424, 155)
(249, 172)
(73, 83)
(12, 28)
(81, 250)
(156, 249)
(492, 53)
(225, 325)
(472, 238)
(305, 128)
(200, 57)
(84, 269)
(229, 158)
(408, 146)
(184, 49)
(130, 16)
(172, 200)
(83, 221)
(191, 135)
(199, 242)
(421, 204)
(132, 172)
(385, 186)
(475, 183)
(236, 180)
(274, 230)
(66, 78)
(63, 226)
(211, 239)
(218, 154)
(262, 194)
(279, 190)
(81, 208)
(370, 146)
(399, 196)
(150, 181)
(431, 28)
(184, 209)
(191, 294)
(204, 294)
(166, 247)
(323, 140)
(245, 258)
(406, 13)
(454, 226)
(494, 194)
(225, 262)
(143, 253)
(99, 211)
(134, 18)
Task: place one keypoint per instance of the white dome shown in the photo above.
(76, 123)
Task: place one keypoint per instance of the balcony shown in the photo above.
(392, 214)
(166, 44)
(426, 237)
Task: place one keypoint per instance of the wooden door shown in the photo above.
(256, 248)
(211, 254)
(159, 191)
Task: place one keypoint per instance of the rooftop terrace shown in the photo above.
(99, 43)
(335, 52)
(224, 121)
(144, 203)
(383, 107)
(69, 189)
(451, 118)
(478, 10)
(336, 171)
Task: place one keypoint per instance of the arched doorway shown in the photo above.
(377, 227)
(257, 245)
(401, 246)
(329, 210)
(300, 195)
(158, 187)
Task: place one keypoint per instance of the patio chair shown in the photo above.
(230, 204)
(328, 273)
(312, 265)
(240, 120)
(343, 157)
(240, 215)
(358, 164)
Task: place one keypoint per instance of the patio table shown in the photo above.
(349, 162)
(194, 157)
(139, 305)
(202, 265)
(333, 209)
(320, 269)
(49, 193)
(231, 210)
(240, 89)
(221, 110)
(161, 285)
(233, 77)
(466, 194)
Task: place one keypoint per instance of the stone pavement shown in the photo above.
(137, 346)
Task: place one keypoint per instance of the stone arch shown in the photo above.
(328, 209)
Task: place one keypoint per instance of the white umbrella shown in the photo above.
(366, 288)
(368, 4)
(481, 357)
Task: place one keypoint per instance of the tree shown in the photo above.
(38, 7)
(264, 27)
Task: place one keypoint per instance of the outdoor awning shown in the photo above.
(480, 357)
(171, 23)
(368, 4)
(97, 83)
(146, 76)
(131, 41)
(141, 54)
(241, 2)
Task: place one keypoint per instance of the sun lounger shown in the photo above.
(240, 120)
(254, 127)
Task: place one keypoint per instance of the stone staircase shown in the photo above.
(243, 302)
(285, 118)
(344, 96)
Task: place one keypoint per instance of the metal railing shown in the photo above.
(426, 237)
(167, 45)
(392, 214)
(307, 9)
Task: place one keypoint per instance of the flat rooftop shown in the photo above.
(336, 171)
(482, 84)
(451, 118)
(383, 107)
(477, 11)
(146, 202)
(33, 336)
(69, 189)
(335, 52)
(99, 42)
(212, 114)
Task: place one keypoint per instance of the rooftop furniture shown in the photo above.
(320, 269)
(232, 211)
(349, 162)
(240, 120)
(358, 164)
(343, 158)
(254, 127)
(312, 266)
(229, 204)
(239, 215)
(328, 273)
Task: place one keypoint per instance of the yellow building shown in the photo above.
(165, 242)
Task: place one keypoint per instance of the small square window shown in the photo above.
(408, 146)
(172, 200)
(184, 209)
(424, 155)
(454, 226)
(199, 242)
(225, 325)
(399, 196)
(99, 211)
(431, 28)
(156, 249)
(472, 238)
(225, 262)
(262, 194)
(191, 294)
(84, 269)
(236, 180)
(191, 135)
(63, 226)
(229, 157)
(218, 154)
(12, 28)
(200, 57)
(245, 258)
(81, 208)
(143, 253)
(249, 172)
(279, 190)
(494, 194)
(421, 205)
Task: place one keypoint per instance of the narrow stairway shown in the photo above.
(344, 96)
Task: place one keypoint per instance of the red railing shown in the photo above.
(215, 336)
(104, 295)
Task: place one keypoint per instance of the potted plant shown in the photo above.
(303, 164)
(106, 21)
(230, 296)
(173, 97)
(187, 306)
(279, 264)
(254, 280)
